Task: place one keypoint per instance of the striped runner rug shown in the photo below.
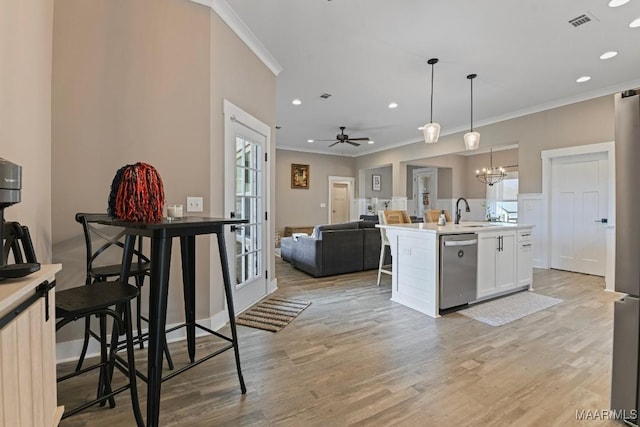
(272, 314)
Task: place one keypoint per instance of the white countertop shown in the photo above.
(451, 228)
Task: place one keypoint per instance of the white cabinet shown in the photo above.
(525, 257)
(496, 262)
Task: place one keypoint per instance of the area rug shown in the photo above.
(272, 314)
(503, 310)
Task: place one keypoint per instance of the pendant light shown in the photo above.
(471, 138)
(491, 175)
(431, 130)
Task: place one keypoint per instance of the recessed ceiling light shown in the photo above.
(583, 79)
(608, 55)
(421, 128)
(635, 23)
(393, 105)
(309, 141)
(616, 3)
(296, 102)
(371, 141)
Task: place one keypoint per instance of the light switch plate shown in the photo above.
(194, 204)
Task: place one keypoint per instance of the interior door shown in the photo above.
(578, 205)
(425, 190)
(245, 198)
(339, 202)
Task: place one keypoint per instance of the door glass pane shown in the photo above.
(248, 206)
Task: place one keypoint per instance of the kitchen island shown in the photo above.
(503, 261)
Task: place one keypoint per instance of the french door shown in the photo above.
(245, 198)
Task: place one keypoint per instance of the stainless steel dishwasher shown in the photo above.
(458, 269)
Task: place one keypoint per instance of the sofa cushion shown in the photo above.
(318, 229)
(367, 224)
(286, 248)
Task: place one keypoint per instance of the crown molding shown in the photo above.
(231, 18)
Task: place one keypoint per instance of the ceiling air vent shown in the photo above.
(582, 19)
(325, 95)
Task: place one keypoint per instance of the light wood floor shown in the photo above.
(355, 358)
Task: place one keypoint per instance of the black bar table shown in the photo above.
(161, 234)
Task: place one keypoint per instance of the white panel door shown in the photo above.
(578, 203)
(339, 202)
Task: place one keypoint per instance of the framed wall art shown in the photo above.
(299, 176)
(376, 184)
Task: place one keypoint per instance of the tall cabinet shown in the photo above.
(27, 351)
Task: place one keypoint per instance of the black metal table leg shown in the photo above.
(224, 263)
(161, 256)
(161, 233)
(188, 253)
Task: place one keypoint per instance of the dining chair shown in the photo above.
(432, 215)
(389, 217)
(383, 247)
(102, 299)
(101, 267)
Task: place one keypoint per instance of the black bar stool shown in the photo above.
(97, 244)
(82, 302)
(98, 299)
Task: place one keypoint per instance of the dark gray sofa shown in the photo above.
(334, 249)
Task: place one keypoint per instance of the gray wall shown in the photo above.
(386, 183)
(145, 81)
(586, 122)
(301, 207)
(25, 111)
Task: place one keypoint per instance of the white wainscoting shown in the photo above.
(399, 203)
(360, 208)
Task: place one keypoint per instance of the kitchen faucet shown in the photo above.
(458, 215)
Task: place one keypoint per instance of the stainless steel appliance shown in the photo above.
(10, 183)
(458, 269)
(626, 324)
(10, 194)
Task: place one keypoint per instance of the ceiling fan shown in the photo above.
(342, 138)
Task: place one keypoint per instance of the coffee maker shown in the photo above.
(10, 193)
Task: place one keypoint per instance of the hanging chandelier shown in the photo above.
(491, 175)
(431, 130)
(471, 138)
